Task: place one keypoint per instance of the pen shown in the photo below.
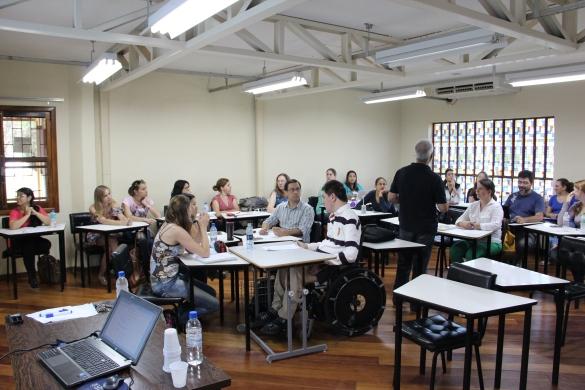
(60, 312)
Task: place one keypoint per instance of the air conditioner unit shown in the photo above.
(460, 89)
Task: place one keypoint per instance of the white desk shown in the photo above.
(547, 229)
(462, 205)
(461, 299)
(106, 230)
(14, 234)
(512, 278)
(379, 248)
(242, 215)
(371, 214)
(267, 260)
(268, 238)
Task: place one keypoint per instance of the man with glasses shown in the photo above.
(294, 218)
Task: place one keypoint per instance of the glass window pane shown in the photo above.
(26, 174)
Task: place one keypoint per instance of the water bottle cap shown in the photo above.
(212, 224)
(192, 315)
(121, 274)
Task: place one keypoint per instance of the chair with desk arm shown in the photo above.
(572, 256)
(83, 219)
(438, 334)
(449, 218)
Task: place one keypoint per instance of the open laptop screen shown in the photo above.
(129, 325)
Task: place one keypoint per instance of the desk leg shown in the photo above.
(220, 271)
(247, 307)
(536, 254)
(14, 281)
(488, 250)
(236, 274)
(560, 304)
(289, 314)
(474, 248)
(499, 350)
(82, 260)
(397, 343)
(62, 259)
(525, 348)
(377, 262)
(525, 254)
(108, 276)
(468, 347)
(546, 257)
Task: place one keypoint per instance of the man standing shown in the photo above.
(525, 206)
(295, 218)
(419, 191)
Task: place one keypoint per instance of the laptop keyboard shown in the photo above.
(89, 358)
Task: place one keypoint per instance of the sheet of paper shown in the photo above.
(286, 247)
(81, 311)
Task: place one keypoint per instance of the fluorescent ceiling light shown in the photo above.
(463, 41)
(102, 68)
(397, 94)
(275, 83)
(560, 74)
(177, 16)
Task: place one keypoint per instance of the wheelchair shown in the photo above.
(350, 302)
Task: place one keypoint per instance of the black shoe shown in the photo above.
(274, 328)
(32, 280)
(264, 318)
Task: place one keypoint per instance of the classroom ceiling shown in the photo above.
(333, 42)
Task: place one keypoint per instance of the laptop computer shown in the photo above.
(120, 344)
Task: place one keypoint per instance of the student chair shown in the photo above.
(76, 220)
(572, 256)
(450, 217)
(439, 335)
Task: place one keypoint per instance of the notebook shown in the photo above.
(120, 344)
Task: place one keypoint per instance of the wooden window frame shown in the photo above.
(52, 201)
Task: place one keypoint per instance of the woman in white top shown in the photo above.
(485, 214)
(452, 188)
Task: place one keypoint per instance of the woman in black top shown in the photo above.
(378, 199)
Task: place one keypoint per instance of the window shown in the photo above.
(501, 148)
(29, 155)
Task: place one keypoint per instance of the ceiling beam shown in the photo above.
(312, 41)
(496, 8)
(236, 23)
(518, 10)
(245, 35)
(488, 22)
(87, 35)
(297, 60)
(549, 23)
(572, 6)
(10, 3)
(122, 20)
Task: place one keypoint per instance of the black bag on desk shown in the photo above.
(49, 269)
(253, 203)
(375, 234)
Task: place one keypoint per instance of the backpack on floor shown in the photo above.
(49, 269)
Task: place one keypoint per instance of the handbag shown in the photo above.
(509, 244)
(49, 269)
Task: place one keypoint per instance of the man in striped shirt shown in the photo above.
(295, 218)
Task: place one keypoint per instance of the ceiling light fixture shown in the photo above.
(439, 46)
(177, 16)
(103, 68)
(393, 95)
(275, 83)
(561, 74)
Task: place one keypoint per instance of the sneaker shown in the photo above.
(264, 318)
(274, 328)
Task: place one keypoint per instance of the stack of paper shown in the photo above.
(63, 313)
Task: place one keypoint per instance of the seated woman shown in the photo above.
(137, 206)
(574, 206)
(278, 195)
(175, 236)
(181, 187)
(105, 210)
(330, 174)
(472, 193)
(562, 189)
(485, 214)
(378, 199)
(25, 214)
(351, 185)
(452, 188)
(224, 201)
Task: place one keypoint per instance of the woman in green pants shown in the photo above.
(484, 214)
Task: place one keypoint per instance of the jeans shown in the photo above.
(413, 260)
(205, 301)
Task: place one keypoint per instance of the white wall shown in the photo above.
(563, 101)
(304, 136)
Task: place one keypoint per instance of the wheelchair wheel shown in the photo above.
(354, 302)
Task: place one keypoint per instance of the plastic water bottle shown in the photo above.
(53, 218)
(205, 207)
(566, 220)
(213, 234)
(194, 334)
(582, 227)
(121, 283)
(249, 237)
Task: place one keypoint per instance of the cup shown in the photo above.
(364, 208)
(170, 357)
(171, 340)
(229, 228)
(179, 373)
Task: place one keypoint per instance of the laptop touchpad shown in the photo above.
(66, 368)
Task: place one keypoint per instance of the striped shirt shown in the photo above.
(343, 236)
(299, 217)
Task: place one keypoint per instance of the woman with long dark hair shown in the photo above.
(181, 187)
(25, 214)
